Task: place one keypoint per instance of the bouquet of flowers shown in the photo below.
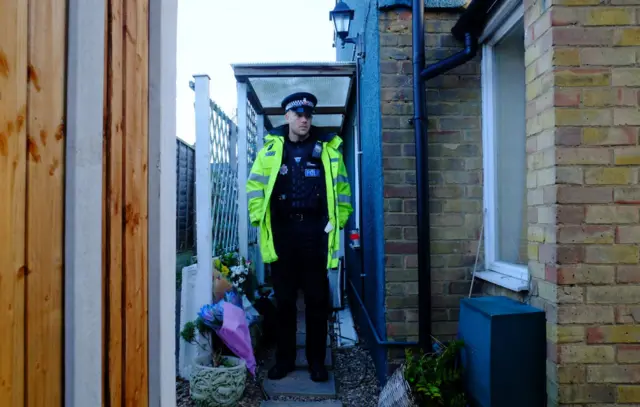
(235, 269)
(229, 323)
(201, 331)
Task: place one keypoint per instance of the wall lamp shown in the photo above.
(342, 16)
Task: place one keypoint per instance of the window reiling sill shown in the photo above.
(503, 280)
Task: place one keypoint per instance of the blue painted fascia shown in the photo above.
(371, 178)
(428, 4)
(373, 190)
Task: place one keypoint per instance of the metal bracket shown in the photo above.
(358, 42)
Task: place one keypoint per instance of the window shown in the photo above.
(504, 144)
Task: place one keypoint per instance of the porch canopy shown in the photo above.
(267, 84)
(261, 89)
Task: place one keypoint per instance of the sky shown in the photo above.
(213, 34)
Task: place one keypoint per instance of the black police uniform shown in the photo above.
(299, 216)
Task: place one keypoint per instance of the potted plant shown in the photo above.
(216, 380)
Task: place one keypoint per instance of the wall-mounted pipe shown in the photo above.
(422, 178)
(379, 340)
(469, 23)
(470, 50)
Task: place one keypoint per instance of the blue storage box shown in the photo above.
(505, 352)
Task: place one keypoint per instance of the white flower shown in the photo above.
(236, 270)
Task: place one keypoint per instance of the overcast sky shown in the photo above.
(213, 34)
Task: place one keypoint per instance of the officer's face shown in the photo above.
(299, 123)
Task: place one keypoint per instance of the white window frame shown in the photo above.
(514, 277)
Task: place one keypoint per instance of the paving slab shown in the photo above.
(324, 403)
(298, 383)
(301, 358)
(301, 339)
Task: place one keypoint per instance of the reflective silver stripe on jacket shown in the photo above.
(262, 179)
(255, 194)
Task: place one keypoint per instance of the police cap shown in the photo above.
(300, 102)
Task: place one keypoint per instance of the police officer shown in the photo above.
(299, 196)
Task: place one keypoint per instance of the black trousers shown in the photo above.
(302, 264)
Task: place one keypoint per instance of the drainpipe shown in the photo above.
(379, 340)
(422, 178)
(420, 75)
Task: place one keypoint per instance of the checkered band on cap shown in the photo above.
(299, 103)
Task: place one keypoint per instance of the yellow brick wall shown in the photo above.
(583, 93)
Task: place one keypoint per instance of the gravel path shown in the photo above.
(355, 378)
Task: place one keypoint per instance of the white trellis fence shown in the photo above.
(224, 153)
(250, 139)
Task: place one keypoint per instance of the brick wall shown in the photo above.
(583, 121)
(453, 104)
(583, 84)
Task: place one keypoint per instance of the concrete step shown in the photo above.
(324, 403)
(298, 383)
(301, 358)
(301, 339)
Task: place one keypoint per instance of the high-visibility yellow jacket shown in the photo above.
(262, 180)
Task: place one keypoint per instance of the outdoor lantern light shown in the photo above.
(341, 17)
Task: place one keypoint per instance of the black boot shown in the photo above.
(280, 371)
(318, 373)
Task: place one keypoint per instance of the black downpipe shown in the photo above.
(420, 75)
(422, 178)
(422, 153)
(438, 68)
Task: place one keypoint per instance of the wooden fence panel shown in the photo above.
(13, 140)
(45, 202)
(114, 211)
(136, 200)
(126, 209)
(32, 175)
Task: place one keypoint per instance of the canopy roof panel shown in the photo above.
(270, 83)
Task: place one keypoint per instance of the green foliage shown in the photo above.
(190, 333)
(230, 259)
(436, 379)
